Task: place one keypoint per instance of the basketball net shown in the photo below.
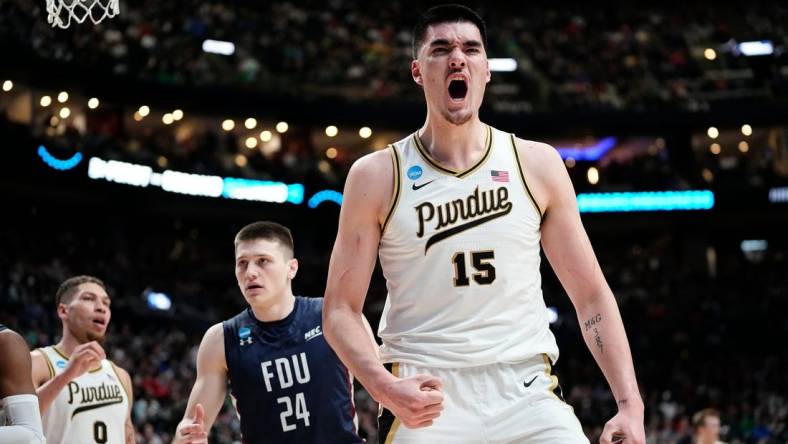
(61, 13)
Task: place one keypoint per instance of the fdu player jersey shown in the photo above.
(289, 385)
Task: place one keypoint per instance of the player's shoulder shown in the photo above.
(372, 165)
(122, 372)
(537, 150)
(540, 159)
(13, 345)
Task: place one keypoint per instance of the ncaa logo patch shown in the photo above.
(414, 172)
(61, 364)
(245, 333)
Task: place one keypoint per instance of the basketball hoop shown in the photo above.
(60, 13)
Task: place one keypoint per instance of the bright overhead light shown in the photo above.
(715, 148)
(144, 110)
(282, 127)
(8, 85)
(331, 131)
(746, 129)
(756, 48)
(62, 97)
(65, 112)
(177, 114)
(713, 132)
(710, 54)
(218, 47)
(228, 125)
(250, 123)
(45, 101)
(365, 132)
(331, 153)
(251, 142)
(266, 136)
(503, 65)
(744, 146)
(93, 103)
(593, 176)
(167, 119)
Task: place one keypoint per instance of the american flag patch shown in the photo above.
(499, 176)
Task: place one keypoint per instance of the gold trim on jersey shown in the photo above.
(395, 425)
(553, 378)
(522, 177)
(120, 380)
(63, 355)
(397, 189)
(445, 170)
(49, 363)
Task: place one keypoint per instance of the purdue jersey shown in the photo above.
(92, 408)
(460, 252)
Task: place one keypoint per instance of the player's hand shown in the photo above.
(625, 428)
(85, 357)
(417, 401)
(192, 432)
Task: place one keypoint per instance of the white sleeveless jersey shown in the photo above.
(460, 253)
(91, 409)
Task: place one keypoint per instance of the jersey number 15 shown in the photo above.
(480, 261)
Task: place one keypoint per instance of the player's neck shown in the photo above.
(275, 311)
(454, 146)
(68, 343)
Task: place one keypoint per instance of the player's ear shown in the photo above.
(62, 310)
(293, 268)
(415, 71)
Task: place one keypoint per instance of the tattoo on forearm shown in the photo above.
(593, 322)
(597, 318)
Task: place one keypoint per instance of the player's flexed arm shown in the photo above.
(570, 253)
(209, 390)
(417, 400)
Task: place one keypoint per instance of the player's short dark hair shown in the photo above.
(68, 288)
(448, 13)
(699, 418)
(267, 231)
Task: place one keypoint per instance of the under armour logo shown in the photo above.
(246, 341)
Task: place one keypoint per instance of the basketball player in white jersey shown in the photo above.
(20, 420)
(84, 397)
(457, 212)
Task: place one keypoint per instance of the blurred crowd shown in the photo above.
(702, 316)
(619, 57)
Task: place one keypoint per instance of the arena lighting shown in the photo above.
(552, 315)
(218, 47)
(588, 153)
(120, 172)
(645, 201)
(755, 245)
(191, 184)
(325, 196)
(60, 165)
(756, 48)
(196, 184)
(158, 301)
(503, 65)
(778, 195)
(262, 191)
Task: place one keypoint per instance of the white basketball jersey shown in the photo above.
(460, 253)
(91, 409)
